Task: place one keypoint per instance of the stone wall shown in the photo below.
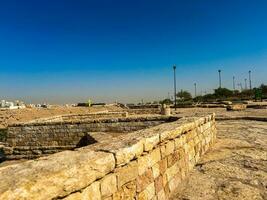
(146, 164)
(30, 140)
(143, 111)
(81, 117)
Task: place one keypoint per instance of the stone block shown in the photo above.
(151, 142)
(159, 184)
(55, 176)
(127, 173)
(167, 149)
(173, 158)
(144, 180)
(156, 170)
(126, 192)
(92, 192)
(143, 163)
(155, 156)
(163, 165)
(148, 193)
(108, 185)
(161, 195)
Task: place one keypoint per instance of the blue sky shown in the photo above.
(61, 51)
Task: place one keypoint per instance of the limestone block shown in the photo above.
(159, 184)
(173, 158)
(156, 170)
(172, 171)
(236, 107)
(168, 148)
(144, 180)
(127, 173)
(161, 195)
(148, 193)
(126, 192)
(92, 192)
(108, 185)
(125, 148)
(155, 156)
(54, 176)
(162, 166)
(143, 163)
(151, 142)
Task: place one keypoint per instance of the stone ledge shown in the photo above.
(54, 176)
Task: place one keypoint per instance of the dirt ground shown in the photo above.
(27, 114)
(235, 168)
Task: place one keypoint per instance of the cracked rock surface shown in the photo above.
(234, 168)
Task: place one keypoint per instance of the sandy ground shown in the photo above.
(235, 168)
(27, 114)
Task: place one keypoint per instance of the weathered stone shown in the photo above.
(161, 195)
(92, 192)
(155, 156)
(127, 173)
(55, 176)
(144, 180)
(162, 165)
(159, 184)
(126, 192)
(173, 158)
(156, 170)
(143, 163)
(151, 142)
(148, 193)
(108, 185)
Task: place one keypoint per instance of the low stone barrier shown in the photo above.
(145, 164)
(37, 138)
(236, 107)
(80, 117)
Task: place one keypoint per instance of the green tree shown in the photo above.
(264, 89)
(184, 95)
(166, 101)
(223, 93)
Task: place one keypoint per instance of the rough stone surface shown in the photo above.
(54, 176)
(235, 167)
(146, 164)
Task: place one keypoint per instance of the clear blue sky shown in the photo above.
(62, 51)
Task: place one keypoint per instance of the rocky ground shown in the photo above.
(235, 168)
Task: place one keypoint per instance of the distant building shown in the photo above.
(11, 105)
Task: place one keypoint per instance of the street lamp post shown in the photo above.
(220, 80)
(174, 82)
(246, 87)
(195, 89)
(233, 82)
(249, 75)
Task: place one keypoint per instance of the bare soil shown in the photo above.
(27, 114)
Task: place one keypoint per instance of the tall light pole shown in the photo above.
(220, 80)
(195, 89)
(234, 83)
(249, 75)
(246, 87)
(174, 83)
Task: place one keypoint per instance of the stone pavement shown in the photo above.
(235, 168)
